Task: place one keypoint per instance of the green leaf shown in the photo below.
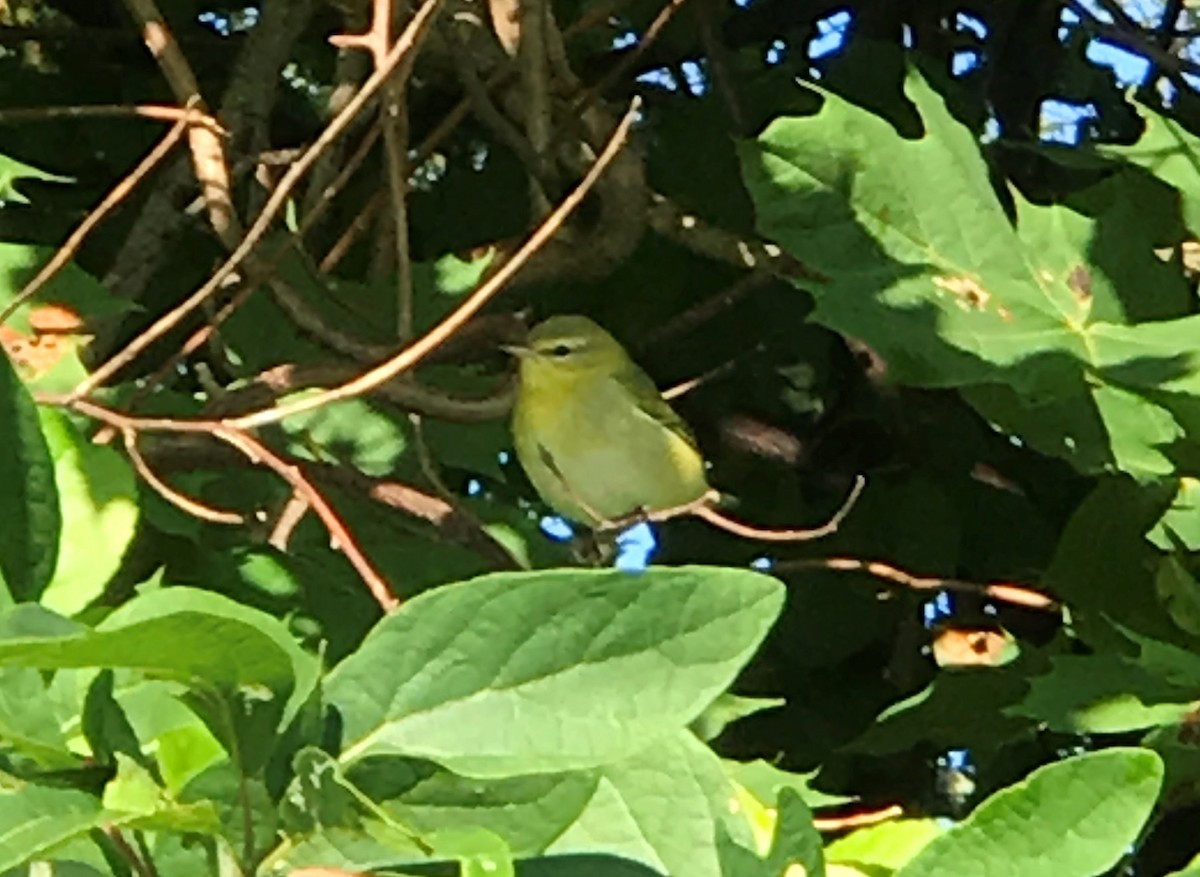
(1102, 694)
(71, 287)
(479, 853)
(12, 170)
(450, 275)
(240, 806)
(583, 866)
(527, 812)
(1171, 153)
(176, 633)
(765, 782)
(1106, 252)
(105, 726)
(726, 710)
(662, 807)
(35, 819)
(29, 539)
(28, 723)
(529, 672)
(960, 708)
(356, 432)
(1075, 818)
(137, 800)
(98, 500)
(889, 845)
(1179, 593)
(797, 841)
(937, 281)
(1182, 520)
(1104, 567)
(331, 822)
(1192, 869)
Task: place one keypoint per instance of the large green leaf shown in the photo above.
(662, 807)
(98, 501)
(175, 633)
(28, 504)
(521, 673)
(35, 819)
(1075, 818)
(935, 278)
(1171, 153)
(527, 812)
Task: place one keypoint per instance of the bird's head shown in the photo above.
(566, 349)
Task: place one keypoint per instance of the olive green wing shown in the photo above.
(650, 402)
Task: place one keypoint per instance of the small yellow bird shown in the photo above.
(592, 431)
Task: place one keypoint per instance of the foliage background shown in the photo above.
(951, 247)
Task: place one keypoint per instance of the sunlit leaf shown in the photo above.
(1075, 818)
(511, 674)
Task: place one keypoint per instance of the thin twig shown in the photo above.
(143, 867)
(257, 453)
(405, 44)
(857, 820)
(535, 79)
(746, 531)
(489, 114)
(690, 231)
(353, 231)
(705, 310)
(1005, 592)
(342, 539)
(718, 57)
(718, 370)
(414, 353)
(170, 494)
(116, 195)
(593, 17)
(629, 58)
(293, 513)
(208, 152)
(393, 119)
(705, 509)
(324, 198)
(189, 115)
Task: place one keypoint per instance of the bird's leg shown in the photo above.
(590, 548)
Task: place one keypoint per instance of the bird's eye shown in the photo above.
(561, 350)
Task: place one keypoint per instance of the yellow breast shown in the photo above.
(592, 452)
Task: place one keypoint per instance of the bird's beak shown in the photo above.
(518, 350)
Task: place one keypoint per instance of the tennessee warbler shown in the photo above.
(593, 433)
